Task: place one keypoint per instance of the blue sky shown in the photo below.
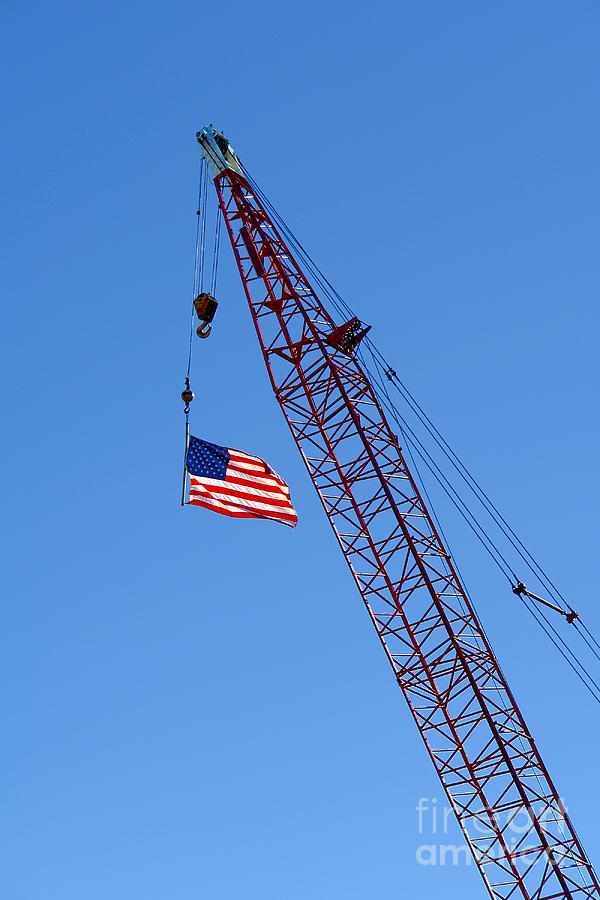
(196, 707)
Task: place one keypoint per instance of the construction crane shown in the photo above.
(480, 746)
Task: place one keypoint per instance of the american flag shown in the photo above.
(236, 484)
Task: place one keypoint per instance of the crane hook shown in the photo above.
(206, 307)
(203, 330)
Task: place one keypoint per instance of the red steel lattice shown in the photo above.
(474, 732)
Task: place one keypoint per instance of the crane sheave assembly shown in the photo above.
(482, 750)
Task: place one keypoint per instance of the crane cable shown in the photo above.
(470, 481)
(198, 253)
(564, 650)
(204, 200)
(342, 308)
(496, 555)
(574, 662)
(187, 395)
(490, 508)
(508, 531)
(215, 260)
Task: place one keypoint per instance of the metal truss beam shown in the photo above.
(483, 753)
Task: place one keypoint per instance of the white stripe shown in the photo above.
(240, 488)
(243, 466)
(285, 518)
(223, 508)
(239, 454)
(218, 506)
(238, 502)
(250, 478)
(264, 479)
(269, 484)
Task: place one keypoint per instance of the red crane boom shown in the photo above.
(474, 732)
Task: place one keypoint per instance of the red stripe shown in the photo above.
(270, 499)
(263, 483)
(242, 483)
(252, 473)
(235, 491)
(240, 513)
(239, 454)
(259, 464)
(249, 460)
(259, 506)
(225, 511)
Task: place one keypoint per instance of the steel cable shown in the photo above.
(196, 262)
(342, 308)
(475, 526)
(215, 261)
(200, 285)
(559, 644)
(472, 483)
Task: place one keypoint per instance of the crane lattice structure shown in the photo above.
(482, 750)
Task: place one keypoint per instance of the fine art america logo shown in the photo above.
(435, 820)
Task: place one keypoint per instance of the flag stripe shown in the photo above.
(246, 457)
(241, 499)
(237, 458)
(235, 510)
(213, 484)
(268, 483)
(247, 469)
(236, 484)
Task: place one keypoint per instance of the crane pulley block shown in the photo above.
(206, 307)
(348, 336)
